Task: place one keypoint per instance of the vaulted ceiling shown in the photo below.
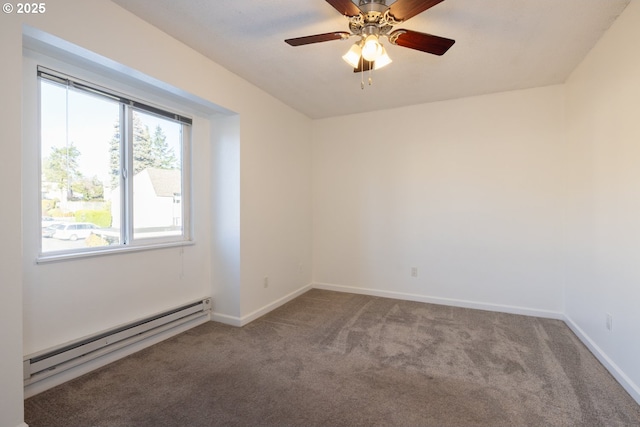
(500, 45)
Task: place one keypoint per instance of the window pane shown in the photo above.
(78, 159)
(157, 181)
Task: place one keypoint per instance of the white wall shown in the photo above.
(11, 412)
(603, 117)
(469, 191)
(68, 299)
(225, 218)
(275, 190)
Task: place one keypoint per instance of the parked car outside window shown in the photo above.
(69, 231)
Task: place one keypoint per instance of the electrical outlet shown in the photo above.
(266, 281)
(609, 322)
(414, 271)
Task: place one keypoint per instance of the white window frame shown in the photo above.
(138, 96)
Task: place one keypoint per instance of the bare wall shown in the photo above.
(11, 395)
(604, 199)
(469, 192)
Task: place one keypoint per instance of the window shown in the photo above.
(113, 170)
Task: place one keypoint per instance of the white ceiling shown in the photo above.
(500, 45)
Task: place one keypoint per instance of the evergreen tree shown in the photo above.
(164, 157)
(114, 156)
(142, 148)
(148, 151)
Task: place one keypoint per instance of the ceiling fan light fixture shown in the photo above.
(353, 56)
(372, 19)
(383, 60)
(372, 48)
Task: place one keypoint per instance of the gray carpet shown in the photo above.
(337, 359)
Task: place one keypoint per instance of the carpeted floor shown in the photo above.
(338, 359)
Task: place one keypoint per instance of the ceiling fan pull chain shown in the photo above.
(361, 73)
(370, 73)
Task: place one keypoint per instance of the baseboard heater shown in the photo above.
(38, 366)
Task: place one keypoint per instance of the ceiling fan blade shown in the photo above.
(363, 65)
(317, 38)
(345, 7)
(421, 41)
(405, 9)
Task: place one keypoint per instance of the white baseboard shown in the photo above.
(75, 372)
(22, 425)
(226, 319)
(241, 321)
(614, 369)
(443, 301)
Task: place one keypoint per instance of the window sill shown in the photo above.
(55, 257)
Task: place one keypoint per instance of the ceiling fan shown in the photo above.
(372, 19)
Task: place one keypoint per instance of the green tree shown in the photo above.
(89, 188)
(148, 151)
(163, 155)
(61, 167)
(114, 156)
(142, 146)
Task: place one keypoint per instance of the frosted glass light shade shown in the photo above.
(353, 56)
(383, 60)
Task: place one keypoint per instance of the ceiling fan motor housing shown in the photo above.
(376, 6)
(374, 18)
(366, 2)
